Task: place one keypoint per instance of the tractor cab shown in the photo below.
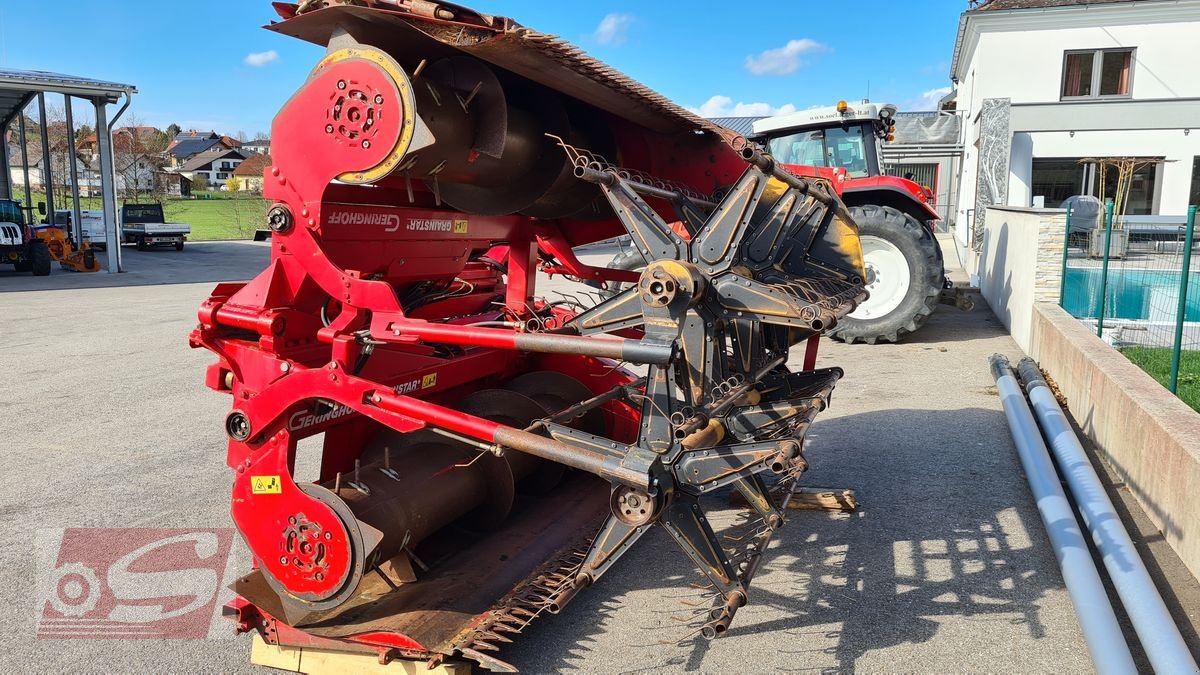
(842, 137)
(895, 216)
(12, 213)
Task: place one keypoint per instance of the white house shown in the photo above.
(258, 146)
(1042, 84)
(60, 169)
(216, 165)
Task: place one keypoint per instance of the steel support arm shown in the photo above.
(633, 351)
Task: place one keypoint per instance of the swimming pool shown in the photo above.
(1133, 293)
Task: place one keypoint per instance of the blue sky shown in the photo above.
(210, 65)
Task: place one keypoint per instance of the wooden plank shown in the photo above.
(274, 656)
(822, 499)
(327, 662)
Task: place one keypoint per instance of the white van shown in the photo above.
(92, 222)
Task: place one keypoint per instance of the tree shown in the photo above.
(61, 141)
(199, 183)
(234, 184)
(134, 160)
(159, 143)
(173, 130)
(85, 130)
(241, 137)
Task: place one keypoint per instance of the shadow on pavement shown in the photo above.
(950, 324)
(198, 262)
(944, 533)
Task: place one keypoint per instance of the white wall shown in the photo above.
(1020, 265)
(17, 176)
(1019, 55)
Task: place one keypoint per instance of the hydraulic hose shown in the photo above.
(1105, 641)
(1155, 628)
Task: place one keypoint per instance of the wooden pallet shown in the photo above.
(326, 662)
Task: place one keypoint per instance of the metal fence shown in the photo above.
(1133, 279)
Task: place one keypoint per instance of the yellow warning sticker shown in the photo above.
(429, 380)
(265, 485)
(461, 226)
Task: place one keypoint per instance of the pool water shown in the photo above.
(1145, 294)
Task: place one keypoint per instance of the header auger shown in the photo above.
(484, 456)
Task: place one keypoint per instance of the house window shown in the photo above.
(222, 176)
(1097, 73)
(1142, 188)
(1057, 179)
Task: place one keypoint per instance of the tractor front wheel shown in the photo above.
(904, 276)
(39, 259)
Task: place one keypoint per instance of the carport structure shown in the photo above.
(18, 89)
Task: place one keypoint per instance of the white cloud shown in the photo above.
(260, 59)
(928, 100)
(783, 60)
(723, 106)
(613, 29)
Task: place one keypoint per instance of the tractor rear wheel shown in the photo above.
(39, 258)
(904, 276)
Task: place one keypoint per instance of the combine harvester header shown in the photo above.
(484, 456)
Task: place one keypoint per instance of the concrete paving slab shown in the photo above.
(199, 261)
(106, 423)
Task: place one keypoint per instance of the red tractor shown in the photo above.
(895, 216)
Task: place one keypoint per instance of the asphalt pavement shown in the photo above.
(106, 422)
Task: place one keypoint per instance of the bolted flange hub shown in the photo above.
(633, 507)
(665, 282)
(237, 426)
(304, 547)
(279, 219)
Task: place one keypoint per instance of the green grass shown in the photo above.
(1157, 362)
(224, 218)
(213, 216)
